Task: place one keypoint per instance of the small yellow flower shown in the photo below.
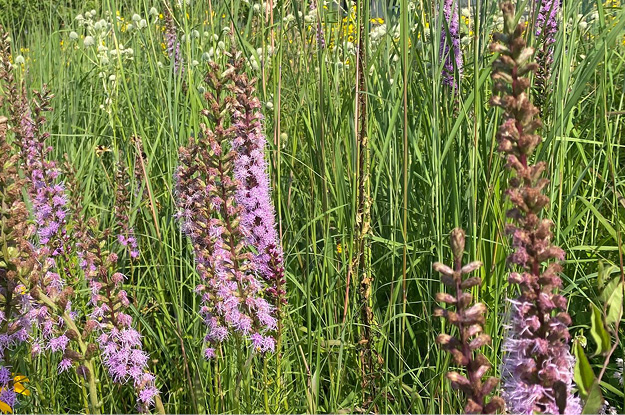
(160, 16)
(339, 248)
(19, 388)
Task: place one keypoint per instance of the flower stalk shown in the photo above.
(469, 320)
(537, 366)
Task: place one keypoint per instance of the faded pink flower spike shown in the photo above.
(537, 368)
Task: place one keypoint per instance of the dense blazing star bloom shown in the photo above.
(17, 253)
(537, 368)
(450, 43)
(223, 206)
(250, 169)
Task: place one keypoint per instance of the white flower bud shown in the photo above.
(89, 41)
(73, 35)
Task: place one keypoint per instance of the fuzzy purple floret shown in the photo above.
(521, 351)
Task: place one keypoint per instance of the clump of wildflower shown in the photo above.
(450, 43)
(469, 320)
(208, 195)
(537, 368)
(253, 194)
(119, 342)
(16, 260)
(45, 291)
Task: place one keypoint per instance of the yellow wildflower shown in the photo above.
(18, 388)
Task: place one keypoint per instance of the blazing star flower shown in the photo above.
(223, 205)
(172, 45)
(546, 21)
(126, 237)
(537, 368)
(546, 30)
(450, 43)
(120, 344)
(253, 194)
(469, 320)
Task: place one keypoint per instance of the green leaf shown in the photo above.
(612, 296)
(583, 374)
(594, 402)
(598, 331)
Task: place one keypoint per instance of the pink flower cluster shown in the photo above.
(223, 202)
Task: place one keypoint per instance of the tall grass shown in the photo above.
(432, 167)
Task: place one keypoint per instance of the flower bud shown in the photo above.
(457, 242)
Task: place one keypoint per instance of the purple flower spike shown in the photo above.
(250, 169)
(223, 203)
(172, 43)
(537, 368)
(450, 43)
(546, 30)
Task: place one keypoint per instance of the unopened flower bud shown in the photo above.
(457, 243)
